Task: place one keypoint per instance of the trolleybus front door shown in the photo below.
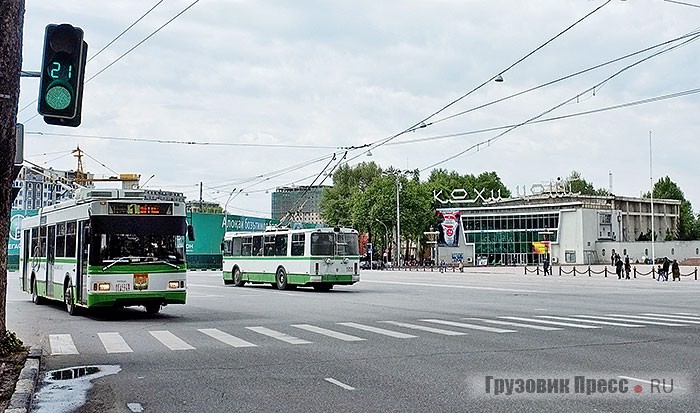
(82, 264)
(50, 258)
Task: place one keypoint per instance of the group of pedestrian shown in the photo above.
(664, 267)
(621, 265)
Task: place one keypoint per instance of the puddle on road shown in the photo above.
(65, 390)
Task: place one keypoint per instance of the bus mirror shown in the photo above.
(190, 232)
(222, 247)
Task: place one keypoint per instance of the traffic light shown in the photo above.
(62, 74)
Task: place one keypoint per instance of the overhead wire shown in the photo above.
(105, 47)
(555, 107)
(128, 51)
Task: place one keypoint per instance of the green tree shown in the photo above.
(665, 188)
(576, 183)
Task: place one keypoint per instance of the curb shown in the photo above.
(21, 400)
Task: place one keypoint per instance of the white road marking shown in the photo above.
(687, 314)
(135, 407)
(471, 326)
(226, 338)
(170, 340)
(426, 328)
(556, 323)
(338, 383)
(678, 318)
(277, 335)
(510, 323)
(607, 323)
(329, 333)
(377, 330)
(656, 320)
(114, 343)
(620, 318)
(62, 344)
(452, 287)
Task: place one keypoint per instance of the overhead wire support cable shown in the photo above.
(107, 45)
(422, 123)
(532, 119)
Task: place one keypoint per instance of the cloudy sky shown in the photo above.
(245, 96)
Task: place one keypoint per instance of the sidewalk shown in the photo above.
(26, 383)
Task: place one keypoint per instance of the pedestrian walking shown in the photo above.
(442, 265)
(545, 266)
(628, 266)
(666, 267)
(618, 268)
(675, 270)
(612, 257)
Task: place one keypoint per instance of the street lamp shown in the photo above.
(398, 223)
(386, 233)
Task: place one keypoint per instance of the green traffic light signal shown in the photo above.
(62, 74)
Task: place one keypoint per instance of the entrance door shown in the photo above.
(27, 242)
(83, 248)
(50, 258)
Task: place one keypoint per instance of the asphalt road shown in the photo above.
(395, 342)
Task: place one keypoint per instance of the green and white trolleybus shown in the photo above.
(106, 248)
(286, 258)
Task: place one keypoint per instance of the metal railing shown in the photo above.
(590, 272)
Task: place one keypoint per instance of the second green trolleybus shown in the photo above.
(287, 258)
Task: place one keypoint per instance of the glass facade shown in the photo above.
(508, 239)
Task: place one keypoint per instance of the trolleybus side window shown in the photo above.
(281, 245)
(61, 239)
(42, 241)
(234, 246)
(257, 245)
(36, 248)
(298, 245)
(247, 244)
(322, 243)
(71, 237)
(269, 245)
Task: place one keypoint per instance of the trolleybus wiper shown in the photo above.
(118, 260)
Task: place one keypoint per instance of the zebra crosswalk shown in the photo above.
(254, 336)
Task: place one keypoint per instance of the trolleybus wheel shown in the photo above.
(237, 279)
(68, 299)
(281, 279)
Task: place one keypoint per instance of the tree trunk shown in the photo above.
(11, 22)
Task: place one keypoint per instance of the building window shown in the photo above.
(624, 252)
(673, 251)
(646, 251)
(603, 252)
(570, 256)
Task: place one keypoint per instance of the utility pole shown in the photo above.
(11, 26)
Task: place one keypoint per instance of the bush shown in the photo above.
(9, 344)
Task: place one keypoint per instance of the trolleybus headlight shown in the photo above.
(328, 261)
(102, 286)
(173, 284)
(345, 260)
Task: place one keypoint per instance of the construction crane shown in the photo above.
(130, 181)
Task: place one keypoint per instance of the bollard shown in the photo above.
(635, 272)
(606, 271)
(696, 273)
(538, 270)
(560, 270)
